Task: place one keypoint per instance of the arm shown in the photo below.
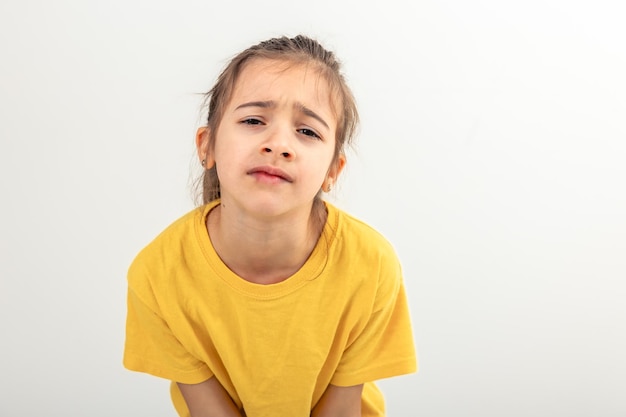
(339, 402)
(208, 399)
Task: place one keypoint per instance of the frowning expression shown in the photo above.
(275, 145)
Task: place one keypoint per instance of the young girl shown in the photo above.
(267, 301)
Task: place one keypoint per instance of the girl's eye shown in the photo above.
(251, 121)
(309, 132)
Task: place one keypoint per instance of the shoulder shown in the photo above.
(366, 257)
(354, 234)
(166, 250)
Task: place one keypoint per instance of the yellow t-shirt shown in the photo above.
(342, 319)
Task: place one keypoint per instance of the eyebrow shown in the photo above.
(299, 106)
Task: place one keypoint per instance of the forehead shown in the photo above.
(284, 81)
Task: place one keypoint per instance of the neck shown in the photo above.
(260, 250)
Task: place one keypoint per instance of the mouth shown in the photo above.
(270, 173)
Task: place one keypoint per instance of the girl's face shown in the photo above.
(276, 141)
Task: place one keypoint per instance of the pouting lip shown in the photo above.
(271, 171)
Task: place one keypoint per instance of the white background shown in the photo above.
(492, 154)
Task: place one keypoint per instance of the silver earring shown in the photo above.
(203, 162)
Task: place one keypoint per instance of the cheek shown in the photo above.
(319, 169)
(230, 159)
(222, 164)
(224, 152)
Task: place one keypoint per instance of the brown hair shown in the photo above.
(298, 50)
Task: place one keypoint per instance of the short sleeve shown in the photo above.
(385, 347)
(151, 346)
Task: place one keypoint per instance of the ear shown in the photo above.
(333, 172)
(203, 147)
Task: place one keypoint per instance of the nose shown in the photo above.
(284, 154)
(278, 144)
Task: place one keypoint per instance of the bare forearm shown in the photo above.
(339, 402)
(209, 399)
